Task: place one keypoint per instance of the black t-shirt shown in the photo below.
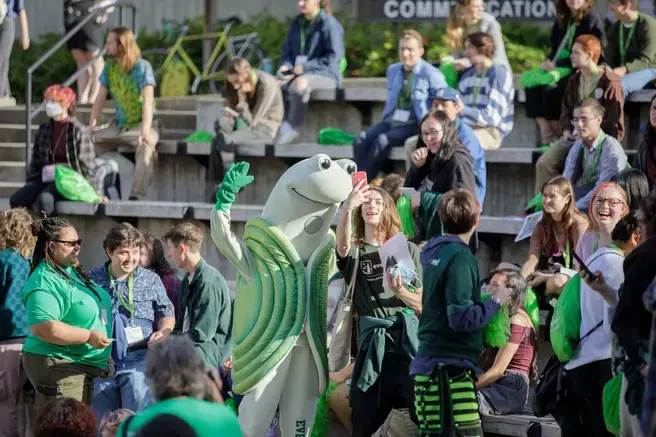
(370, 298)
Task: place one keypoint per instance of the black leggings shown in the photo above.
(546, 101)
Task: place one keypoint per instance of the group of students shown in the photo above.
(93, 336)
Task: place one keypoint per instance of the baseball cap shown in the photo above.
(448, 94)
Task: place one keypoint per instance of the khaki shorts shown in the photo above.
(53, 378)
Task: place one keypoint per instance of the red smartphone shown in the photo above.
(359, 176)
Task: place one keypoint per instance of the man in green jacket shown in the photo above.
(205, 307)
(451, 326)
(631, 48)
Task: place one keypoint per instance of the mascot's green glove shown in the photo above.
(234, 180)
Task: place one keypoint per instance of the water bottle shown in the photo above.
(267, 67)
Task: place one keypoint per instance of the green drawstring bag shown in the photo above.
(610, 399)
(534, 205)
(532, 307)
(450, 74)
(497, 332)
(73, 186)
(343, 63)
(566, 322)
(200, 136)
(404, 208)
(334, 136)
(539, 77)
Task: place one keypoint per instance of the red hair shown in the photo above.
(591, 45)
(601, 187)
(63, 95)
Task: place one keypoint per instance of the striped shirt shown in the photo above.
(493, 104)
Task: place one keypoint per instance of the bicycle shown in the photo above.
(243, 46)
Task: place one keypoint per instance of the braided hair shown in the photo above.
(47, 230)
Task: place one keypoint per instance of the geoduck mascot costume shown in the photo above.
(280, 357)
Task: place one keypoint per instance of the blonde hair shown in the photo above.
(128, 50)
(413, 34)
(16, 232)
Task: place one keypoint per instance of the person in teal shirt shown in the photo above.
(69, 318)
(185, 395)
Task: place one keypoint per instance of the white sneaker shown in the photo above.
(7, 102)
(286, 134)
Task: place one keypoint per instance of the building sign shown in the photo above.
(416, 10)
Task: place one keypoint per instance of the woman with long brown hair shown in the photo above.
(573, 19)
(131, 81)
(469, 16)
(16, 244)
(381, 306)
(153, 258)
(253, 112)
(554, 237)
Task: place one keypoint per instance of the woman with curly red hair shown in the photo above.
(63, 140)
(65, 417)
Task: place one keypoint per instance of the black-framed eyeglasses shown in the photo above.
(72, 243)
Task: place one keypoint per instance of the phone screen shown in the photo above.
(582, 264)
(358, 176)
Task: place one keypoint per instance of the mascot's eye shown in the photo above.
(324, 163)
(350, 169)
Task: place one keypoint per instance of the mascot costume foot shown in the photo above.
(280, 356)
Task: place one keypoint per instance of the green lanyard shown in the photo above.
(406, 92)
(584, 92)
(567, 256)
(305, 33)
(596, 243)
(477, 84)
(616, 247)
(571, 31)
(128, 306)
(625, 46)
(589, 170)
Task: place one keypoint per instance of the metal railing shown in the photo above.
(107, 6)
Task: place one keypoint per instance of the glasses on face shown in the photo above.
(435, 133)
(600, 201)
(72, 243)
(582, 120)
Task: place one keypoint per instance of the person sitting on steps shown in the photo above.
(131, 81)
(413, 84)
(588, 81)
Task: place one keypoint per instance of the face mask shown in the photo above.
(53, 109)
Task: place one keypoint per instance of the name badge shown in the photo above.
(598, 93)
(103, 316)
(401, 115)
(133, 334)
(48, 173)
(300, 60)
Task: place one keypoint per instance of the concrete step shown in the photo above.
(12, 171)
(12, 151)
(15, 133)
(4, 203)
(7, 189)
(170, 118)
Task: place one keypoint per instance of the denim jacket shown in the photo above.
(324, 47)
(428, 80)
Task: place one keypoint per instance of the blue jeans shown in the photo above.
(127, 389)
(372, 147)
(637, 80)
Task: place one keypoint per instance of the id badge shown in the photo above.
(300, 60)
(401, 115)
(103, 316)
(133, 334)
(48, 173)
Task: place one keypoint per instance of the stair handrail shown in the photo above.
(107, 6)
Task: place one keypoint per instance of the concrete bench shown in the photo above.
(516, 425)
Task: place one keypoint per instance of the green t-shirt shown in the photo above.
(49, 296)
(369, 296)
(206, 418)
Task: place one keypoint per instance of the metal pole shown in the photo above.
(209, 27)
(28, 119)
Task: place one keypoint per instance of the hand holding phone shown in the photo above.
(358, 176)
(583, 266)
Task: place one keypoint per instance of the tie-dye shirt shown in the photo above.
(126, 90)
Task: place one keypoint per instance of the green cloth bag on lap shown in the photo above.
(565, 327)
(73, 186)
(610, 399)
(333, 136)
(539, 77)
(450, 74)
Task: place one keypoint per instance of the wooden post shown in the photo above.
(209, 27)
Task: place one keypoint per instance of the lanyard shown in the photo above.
(596, 243)
(616, 247)
(406, 92)
(305, 32)
(571, 30)
(566, 251)
(624, 46)
(477, 84)
(584, 92)
(128, 306)
(589, 170)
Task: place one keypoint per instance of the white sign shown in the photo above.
(530, 222)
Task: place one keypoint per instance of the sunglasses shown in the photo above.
(73, 243)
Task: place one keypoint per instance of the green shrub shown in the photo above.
(370, 48)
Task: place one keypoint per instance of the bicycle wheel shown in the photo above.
(156, 57)
(217, 73)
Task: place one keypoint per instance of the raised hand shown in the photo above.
(235, 179)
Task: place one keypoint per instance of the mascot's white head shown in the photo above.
(306, 197)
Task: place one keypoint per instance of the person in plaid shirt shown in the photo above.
(16, 244)
(63, 140)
